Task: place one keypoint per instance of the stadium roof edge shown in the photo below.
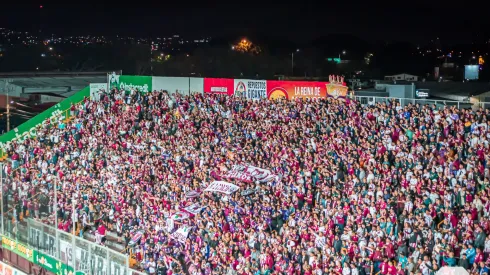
(51, 74)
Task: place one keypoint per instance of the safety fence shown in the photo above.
(55, 250)
(60, 252)
(372, 100)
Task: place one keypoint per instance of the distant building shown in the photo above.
(405, 77)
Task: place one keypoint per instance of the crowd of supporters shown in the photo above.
(357, 189)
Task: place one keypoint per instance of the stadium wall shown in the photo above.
(249, 88)
(182, 85)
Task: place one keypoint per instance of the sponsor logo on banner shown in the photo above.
(251, 89)
(18, 248)
(295, 89)
(181, 234)
(222, 187)
(53, 265)
(336, 87)
(130, 82)
(219, 86)
(250, 173)
(179, 216)
(192, 194)
(194, 208)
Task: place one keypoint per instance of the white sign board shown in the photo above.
(250, 89)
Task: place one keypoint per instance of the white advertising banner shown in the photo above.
(222, 187)
(96, 89)
(248, 173)
(181, 234)
(251, 89)
(6, 269)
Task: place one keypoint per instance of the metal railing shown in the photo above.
(83, 256)
(372, 100)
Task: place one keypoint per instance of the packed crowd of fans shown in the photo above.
(378, 189)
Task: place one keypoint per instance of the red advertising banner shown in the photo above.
(219, 85)
(296, 89)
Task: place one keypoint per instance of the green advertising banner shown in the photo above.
(127, 82)
(18, 248)
(29, 128)
(52, 265)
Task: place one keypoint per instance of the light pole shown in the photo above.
(292, 62)
(73, 216)
(3, 195)
(343, 53)
(55, 208)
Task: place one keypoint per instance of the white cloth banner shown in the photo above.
(250, 173)
(181, 234)
(222, 187)
(192, 194)
(179, 216)
(194, 208)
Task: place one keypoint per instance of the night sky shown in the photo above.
(298, 21)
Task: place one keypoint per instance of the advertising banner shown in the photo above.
(296, 89)
(219, 86)
(222, 187)
(97, 89)
(51, 264)
(129, 82)
(250, 89)
(18, 248)
(181, 234)
(248, 173)
(6, 269)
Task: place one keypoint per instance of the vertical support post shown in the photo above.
(55, 206)
(3, 195)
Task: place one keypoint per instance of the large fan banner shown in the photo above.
(222, 187)
(249, 173)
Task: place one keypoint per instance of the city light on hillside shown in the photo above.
(246, 46)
